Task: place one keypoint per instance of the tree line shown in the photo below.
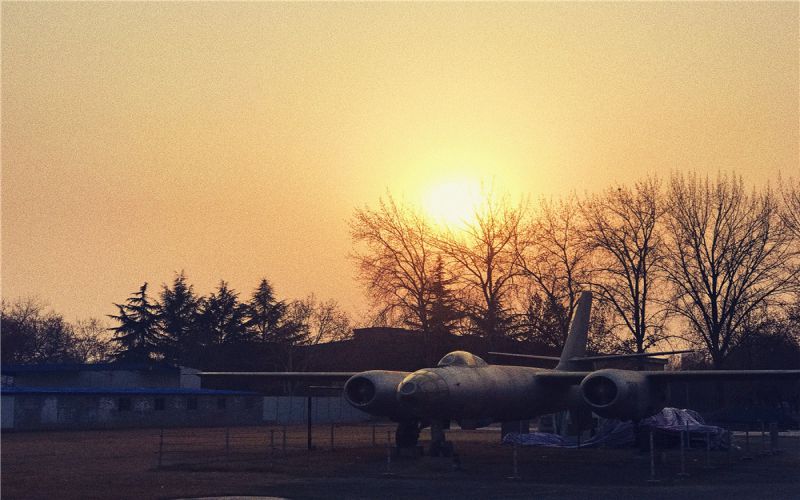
(709, 261)
(32, 334)
(180, 327)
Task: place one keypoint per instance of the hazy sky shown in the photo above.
(234, 140)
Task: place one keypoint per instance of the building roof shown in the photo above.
(129, 391)
(76, 367)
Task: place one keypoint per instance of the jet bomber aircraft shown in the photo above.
(464, 388)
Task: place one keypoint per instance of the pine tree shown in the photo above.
(223, 318)
(137, 336)
(265, 314)
(443, 311)
(178, 314)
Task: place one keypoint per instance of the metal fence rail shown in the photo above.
(268, 447)
(197, 446)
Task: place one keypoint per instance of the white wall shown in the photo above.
(292, 410)
(7, 406)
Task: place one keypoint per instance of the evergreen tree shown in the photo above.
(223, 318)
(137, 337)
(443, 312)
(178, 313)
(265, 314)
(544, 320)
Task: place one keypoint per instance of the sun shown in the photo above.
(452, 203)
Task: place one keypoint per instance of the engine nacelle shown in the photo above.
(375, 392)
(621, 394)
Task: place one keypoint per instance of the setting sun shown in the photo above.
(452, 203)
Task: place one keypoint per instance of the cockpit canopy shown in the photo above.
(461, 358)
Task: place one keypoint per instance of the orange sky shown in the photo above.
(234, 140)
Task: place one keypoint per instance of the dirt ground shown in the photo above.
(253, 462)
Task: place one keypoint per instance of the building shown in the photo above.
(111, 395)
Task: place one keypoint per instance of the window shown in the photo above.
(191, 404)
(222, 403)
(124, 404)
(159, 404)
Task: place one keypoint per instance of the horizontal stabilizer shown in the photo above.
(601, 357)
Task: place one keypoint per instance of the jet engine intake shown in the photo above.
(375, 392)
(621, 394)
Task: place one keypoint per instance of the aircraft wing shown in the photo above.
(293, 376)
(561, 378)
(701, 375)
(574, 378)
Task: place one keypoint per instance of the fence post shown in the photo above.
(688, 437)
(652, 459)
(388, 454)
(515, 471)
(272, 441)
(160, 448)
(774, 434)
(730, 448)
(374, 442)
(332, 427)
(284, 440)
(747, 444)
(308, 423)
(683, 472)
(227, 441)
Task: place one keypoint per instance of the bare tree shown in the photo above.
(395, 261)
(92, 340)
(623, 231)
(791, 206)
(484, 257)
(551, 253)
(727, 257)
(32, 334)
(790, 214)
(321, 321)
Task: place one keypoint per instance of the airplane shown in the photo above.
(464, 388)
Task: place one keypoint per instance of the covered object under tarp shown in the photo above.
(666, 426)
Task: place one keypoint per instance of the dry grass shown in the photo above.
(196, 462)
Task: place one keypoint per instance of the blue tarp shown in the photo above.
(666, 424)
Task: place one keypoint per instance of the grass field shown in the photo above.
(253, 461)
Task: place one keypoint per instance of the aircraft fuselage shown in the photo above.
(493, 392)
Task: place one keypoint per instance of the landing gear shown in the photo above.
(407, 437)
(407, 434)
(440, 447)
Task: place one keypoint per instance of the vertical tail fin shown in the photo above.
(575, 346)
